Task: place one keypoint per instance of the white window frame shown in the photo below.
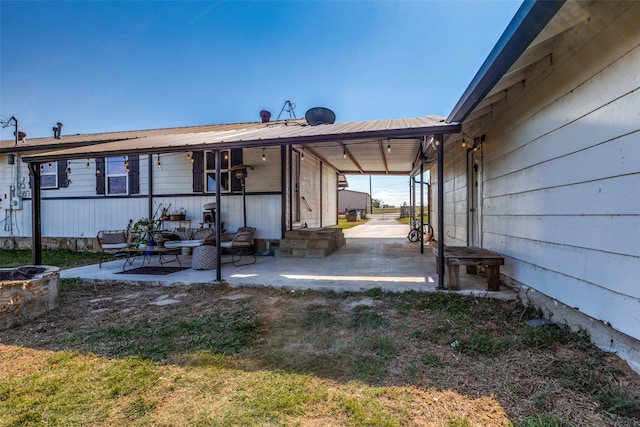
(110, 173)
(49, 169)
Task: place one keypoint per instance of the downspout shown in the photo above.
(440, 212)
(36, 216)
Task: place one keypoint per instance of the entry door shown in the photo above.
(473, 174)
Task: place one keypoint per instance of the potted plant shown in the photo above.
(179, 215)
(144, 231)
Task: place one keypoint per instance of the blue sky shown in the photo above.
(109, 66)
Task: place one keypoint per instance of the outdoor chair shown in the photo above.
(113, 242)
(241, 245)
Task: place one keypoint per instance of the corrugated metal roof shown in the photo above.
(327, 141)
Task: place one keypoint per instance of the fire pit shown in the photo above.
(26, 293)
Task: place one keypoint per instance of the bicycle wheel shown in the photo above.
(414, 235)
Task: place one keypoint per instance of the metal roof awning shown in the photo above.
(369, 147)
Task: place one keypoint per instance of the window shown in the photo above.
(210, 171)
(49, 175)
(116, 175)
(204, 171)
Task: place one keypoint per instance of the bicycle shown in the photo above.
(417, 232)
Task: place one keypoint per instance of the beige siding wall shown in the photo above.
(455, 196)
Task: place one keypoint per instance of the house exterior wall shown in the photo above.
(561, 179)
(348, 200)
(78, 212)
(318, 196)
(455, 197)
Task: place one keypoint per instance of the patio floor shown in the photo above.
(377, 255)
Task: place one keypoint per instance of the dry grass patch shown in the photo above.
(245, 356)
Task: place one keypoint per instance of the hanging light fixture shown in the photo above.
(264, 156)
(189, 156)
(302, 155)
(344, 153)
(97, 171)
(50, 165)
(159, 165)
(464, 143)
(41, 168)
(225, 156)
(88, 166)
(388, 146)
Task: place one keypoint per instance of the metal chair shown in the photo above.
(241, 245)
(113, 241)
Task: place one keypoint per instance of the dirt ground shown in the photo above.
(523, 380)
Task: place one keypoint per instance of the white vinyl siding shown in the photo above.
(561, 190)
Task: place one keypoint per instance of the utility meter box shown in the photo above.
(16, 203)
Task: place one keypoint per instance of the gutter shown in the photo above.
(525, 26)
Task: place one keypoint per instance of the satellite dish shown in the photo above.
(319, 116)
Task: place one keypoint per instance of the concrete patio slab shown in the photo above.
(377, 255)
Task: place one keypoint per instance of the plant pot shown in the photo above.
(176, 217)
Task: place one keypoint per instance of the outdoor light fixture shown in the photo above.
(302, 154)
(88, 166)
(226, 155)
(159, 165)
(41, 168)
(50, 165)
(388, 146)
(189, 156)
(264, 156)
(344, 153)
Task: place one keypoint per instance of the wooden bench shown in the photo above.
(471, 256)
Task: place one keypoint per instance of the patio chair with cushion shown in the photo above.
(242, 244)
(113, 242)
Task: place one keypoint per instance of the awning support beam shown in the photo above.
(36, 215)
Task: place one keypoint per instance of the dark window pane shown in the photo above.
(117, 184)
(48, 181)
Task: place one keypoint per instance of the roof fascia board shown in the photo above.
(525, 26)
(445, 128)
(58, 146)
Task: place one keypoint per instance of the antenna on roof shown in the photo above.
(288, 107)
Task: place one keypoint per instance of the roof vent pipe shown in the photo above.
(57, 131)
(265, 116)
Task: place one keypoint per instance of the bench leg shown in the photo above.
(454, 277)
(493, 277)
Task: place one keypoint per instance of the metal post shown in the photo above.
(150, 186)
(217, 219)
(421, 206)
(440, 212)
(36, 216)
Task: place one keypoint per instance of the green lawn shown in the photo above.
(58, 258)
